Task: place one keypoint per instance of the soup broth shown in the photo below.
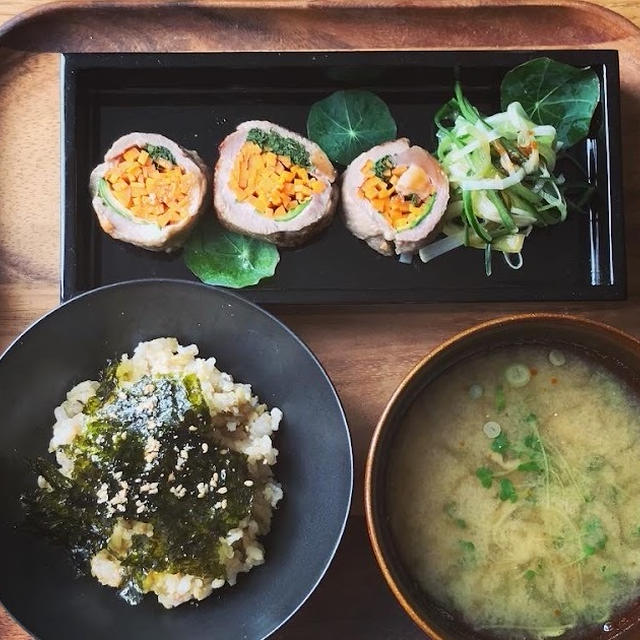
(514, 492)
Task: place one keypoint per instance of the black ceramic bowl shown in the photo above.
(70, 344)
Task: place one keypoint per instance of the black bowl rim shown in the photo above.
(237, 299)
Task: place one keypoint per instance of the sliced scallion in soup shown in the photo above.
(518, 508)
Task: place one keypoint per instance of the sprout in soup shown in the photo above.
(518, 507)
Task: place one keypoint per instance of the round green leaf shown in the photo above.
(556, 94)
(346, 123)
(228, 259)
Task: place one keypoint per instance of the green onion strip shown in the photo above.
(500, 169)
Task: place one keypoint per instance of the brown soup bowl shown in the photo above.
(615, 350)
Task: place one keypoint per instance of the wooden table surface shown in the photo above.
(349, 343)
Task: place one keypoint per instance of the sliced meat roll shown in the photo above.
(149, 191)
(273, 184)
(394, 197)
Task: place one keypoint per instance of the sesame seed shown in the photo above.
(151, 449)
(102, 493)
(178, 491)
(203, 489)
(248, 483)
(222, 490)
(205, 447)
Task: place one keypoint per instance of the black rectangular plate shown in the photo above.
(197, 99)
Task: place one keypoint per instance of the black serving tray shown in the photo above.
(197, 99)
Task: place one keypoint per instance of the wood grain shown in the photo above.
(362, 349)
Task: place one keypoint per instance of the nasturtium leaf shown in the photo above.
(228, 259)
(555, 94)
(346, 123)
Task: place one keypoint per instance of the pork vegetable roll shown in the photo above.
(394, 197)
(149, 191)
(273, 184)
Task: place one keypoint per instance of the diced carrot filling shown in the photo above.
(157, 191)
(271, 183)
(399, 210)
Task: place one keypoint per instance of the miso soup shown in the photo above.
(514, 492)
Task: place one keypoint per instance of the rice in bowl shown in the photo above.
(164, 481)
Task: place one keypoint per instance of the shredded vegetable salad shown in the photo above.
(500, 170)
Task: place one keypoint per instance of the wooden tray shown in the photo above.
(363, 350)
